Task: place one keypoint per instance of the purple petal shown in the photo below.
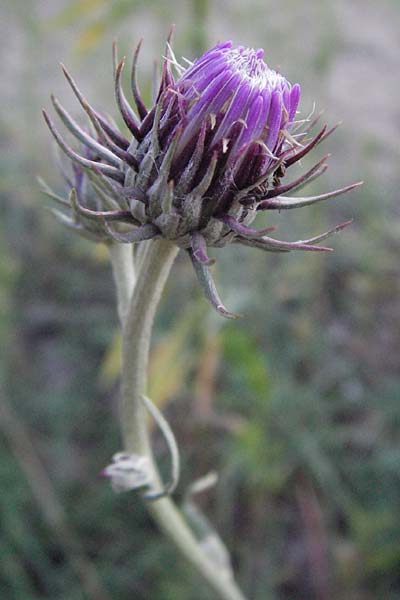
(236, 109)
(274, 120)
(294, 101)
(211, 102)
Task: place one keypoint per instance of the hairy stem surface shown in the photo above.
(121, 257)
(155, 265)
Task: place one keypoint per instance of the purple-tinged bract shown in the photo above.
(199, 163)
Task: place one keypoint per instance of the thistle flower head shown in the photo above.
(199, 164)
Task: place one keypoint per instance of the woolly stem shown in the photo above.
(121, 256)
(137, 326)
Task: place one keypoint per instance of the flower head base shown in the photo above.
(201, 162)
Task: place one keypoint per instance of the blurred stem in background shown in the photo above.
(199, 38)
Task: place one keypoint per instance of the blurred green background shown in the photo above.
(296, 406)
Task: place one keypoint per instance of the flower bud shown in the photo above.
(200, 163)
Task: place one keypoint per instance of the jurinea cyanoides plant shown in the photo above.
(195, 169)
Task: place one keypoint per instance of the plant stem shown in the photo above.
(200, 10)
(154, 269)
(121, 256)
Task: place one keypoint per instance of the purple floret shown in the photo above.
(234, 84)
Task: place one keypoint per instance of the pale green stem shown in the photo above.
(155, 265)
(154, 269)
(121, 256)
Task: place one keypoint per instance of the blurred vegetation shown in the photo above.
(296, 406)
